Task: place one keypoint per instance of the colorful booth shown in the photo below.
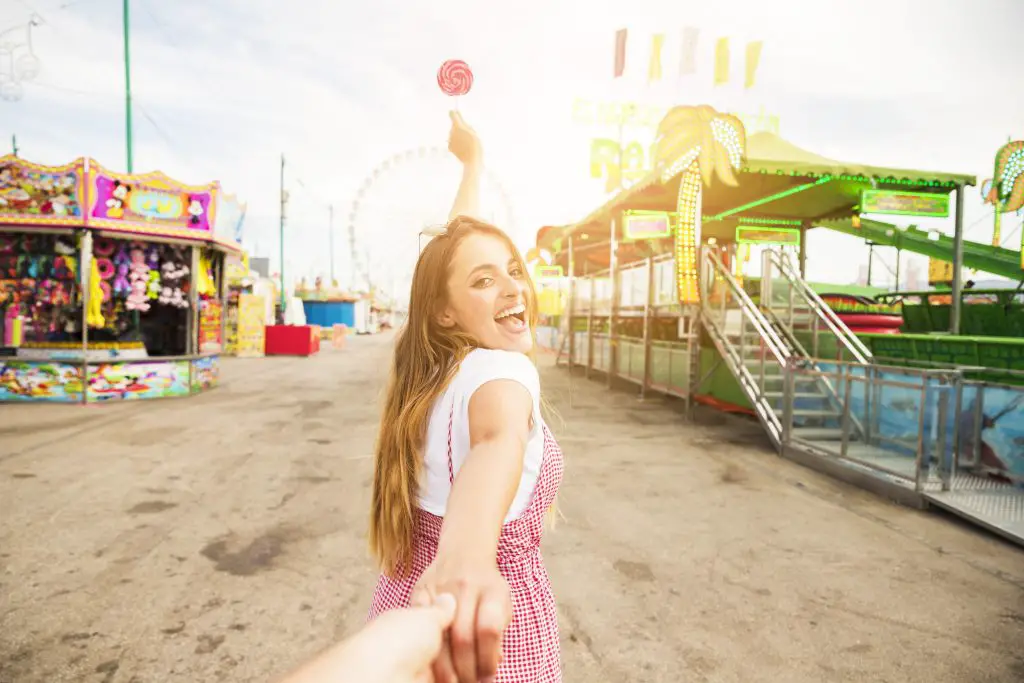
(112, 286)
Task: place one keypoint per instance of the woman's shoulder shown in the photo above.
(483, 365)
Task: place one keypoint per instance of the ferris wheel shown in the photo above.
(401, 197)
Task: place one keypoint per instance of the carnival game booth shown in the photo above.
(111, 286)
(657, 299)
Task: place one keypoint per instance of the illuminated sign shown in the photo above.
(896, 203)
(746, 234)
(542, 272)
(646, 225)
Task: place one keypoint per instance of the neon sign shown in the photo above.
(895, 203)
(644, 225)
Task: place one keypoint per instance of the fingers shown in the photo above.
(493, 615)
(463, 638)
(445, 607)
(456, 118)
(443, 668)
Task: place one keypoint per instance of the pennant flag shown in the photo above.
(753, 59)
(654, 70)
(620, 52)
(722, 61)
(688, 60)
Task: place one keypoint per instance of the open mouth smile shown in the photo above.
(513, 319)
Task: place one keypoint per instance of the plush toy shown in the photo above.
(63, 248)
(153, 285)
(174, 281)
(121, 284)
(139, 268)
(137, 300)
(153, 258)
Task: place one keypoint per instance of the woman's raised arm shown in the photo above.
(465, 145)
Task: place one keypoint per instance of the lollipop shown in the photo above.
(454, 78)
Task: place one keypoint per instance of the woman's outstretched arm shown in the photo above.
(465, 145)
(500, 414)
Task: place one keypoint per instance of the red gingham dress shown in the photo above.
(530, 643)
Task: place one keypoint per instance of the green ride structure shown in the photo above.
(655, 294)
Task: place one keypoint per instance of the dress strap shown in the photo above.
(451, 469)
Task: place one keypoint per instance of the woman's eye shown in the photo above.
(516, 273)
(483, 282)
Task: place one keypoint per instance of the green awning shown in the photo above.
(779, 181)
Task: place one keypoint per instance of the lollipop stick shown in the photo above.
(457, 98)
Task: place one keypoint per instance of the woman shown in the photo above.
(465, 467)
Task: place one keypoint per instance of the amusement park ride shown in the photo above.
(923, 401)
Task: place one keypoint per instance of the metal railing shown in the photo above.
(798, 298)
(726, 305)
(907, 416)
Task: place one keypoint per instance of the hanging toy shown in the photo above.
(153, 286)
(105, 288)
(137, 300)
(97, 295)
(137, 266)
(153, 258)
(103, 247)
(59, 296)
(45, 291)
(122, 255)
(106, 267)
(63, 248)
(121, 284)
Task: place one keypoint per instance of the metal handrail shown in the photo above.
(772, 339)
(733, 357)
(852, 343)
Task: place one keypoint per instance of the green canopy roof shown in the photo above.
(779, 181)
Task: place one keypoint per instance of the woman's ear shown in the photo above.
(446, 318)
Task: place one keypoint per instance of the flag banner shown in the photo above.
(722, 61)
(688, 56)
(753, 60)
(620, 52)
(654, 69)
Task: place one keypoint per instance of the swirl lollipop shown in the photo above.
(455, 78)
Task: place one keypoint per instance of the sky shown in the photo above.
(222, 89)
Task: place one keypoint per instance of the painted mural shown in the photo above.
(34, 381)
(32, 194)
(149, 203)
(205, 373)
(128, 381)
(998, 445)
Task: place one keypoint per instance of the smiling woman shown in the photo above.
(465, 468)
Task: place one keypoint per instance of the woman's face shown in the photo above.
(488, 295)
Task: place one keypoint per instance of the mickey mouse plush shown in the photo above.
(195, 210)
(118, 199)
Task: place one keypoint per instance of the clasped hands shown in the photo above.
(471, 647)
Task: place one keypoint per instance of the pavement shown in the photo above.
(223, 538)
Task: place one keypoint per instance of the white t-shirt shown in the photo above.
(479, 367)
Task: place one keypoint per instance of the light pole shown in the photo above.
(280, 232)
(127, 85)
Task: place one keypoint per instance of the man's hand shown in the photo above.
(397, 647)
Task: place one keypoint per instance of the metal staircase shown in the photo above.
(757, 343)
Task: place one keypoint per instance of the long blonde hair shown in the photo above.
(427, 356)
